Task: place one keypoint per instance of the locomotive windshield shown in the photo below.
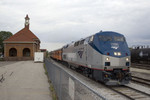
(105, 38)
(110, 38)
(119, 38)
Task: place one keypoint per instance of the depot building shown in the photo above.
(22, 45)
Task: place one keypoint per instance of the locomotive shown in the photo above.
(140, 54)
(104, 56)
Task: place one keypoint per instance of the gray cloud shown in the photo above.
(63, 21)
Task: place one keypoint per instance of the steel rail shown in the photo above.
(128, 96)
(141, 80)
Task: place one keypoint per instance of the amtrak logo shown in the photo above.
(114, 45)
(80, 53)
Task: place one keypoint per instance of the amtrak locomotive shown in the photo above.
(103, 56)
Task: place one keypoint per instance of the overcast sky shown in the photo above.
(58, 22)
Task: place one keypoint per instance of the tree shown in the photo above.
(3, 36)
(47, 54)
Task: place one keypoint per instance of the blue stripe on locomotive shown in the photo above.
(105, 47)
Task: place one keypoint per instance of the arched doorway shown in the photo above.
(26, 52)
(12, 52)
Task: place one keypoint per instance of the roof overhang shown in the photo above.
(19, 42)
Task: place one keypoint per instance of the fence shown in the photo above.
(67, 86)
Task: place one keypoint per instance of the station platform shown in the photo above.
(23, 80)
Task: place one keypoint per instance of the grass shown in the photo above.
(53, 93)
(1, 59)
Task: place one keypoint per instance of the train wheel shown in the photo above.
(68, 65)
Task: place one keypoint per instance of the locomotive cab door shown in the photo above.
(88, 51)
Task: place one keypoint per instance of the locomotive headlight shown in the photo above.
(107, 58)
(119, 53)
(115, 53)
(127, 59)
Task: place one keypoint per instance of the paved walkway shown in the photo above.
(23, 80)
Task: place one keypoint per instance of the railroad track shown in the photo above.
(141, 80)
(141, 66)
(131, 93)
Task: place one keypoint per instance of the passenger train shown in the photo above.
(104, 56)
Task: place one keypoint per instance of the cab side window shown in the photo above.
(91, 39)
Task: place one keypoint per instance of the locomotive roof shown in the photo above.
(107, 33)
(110, 33)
